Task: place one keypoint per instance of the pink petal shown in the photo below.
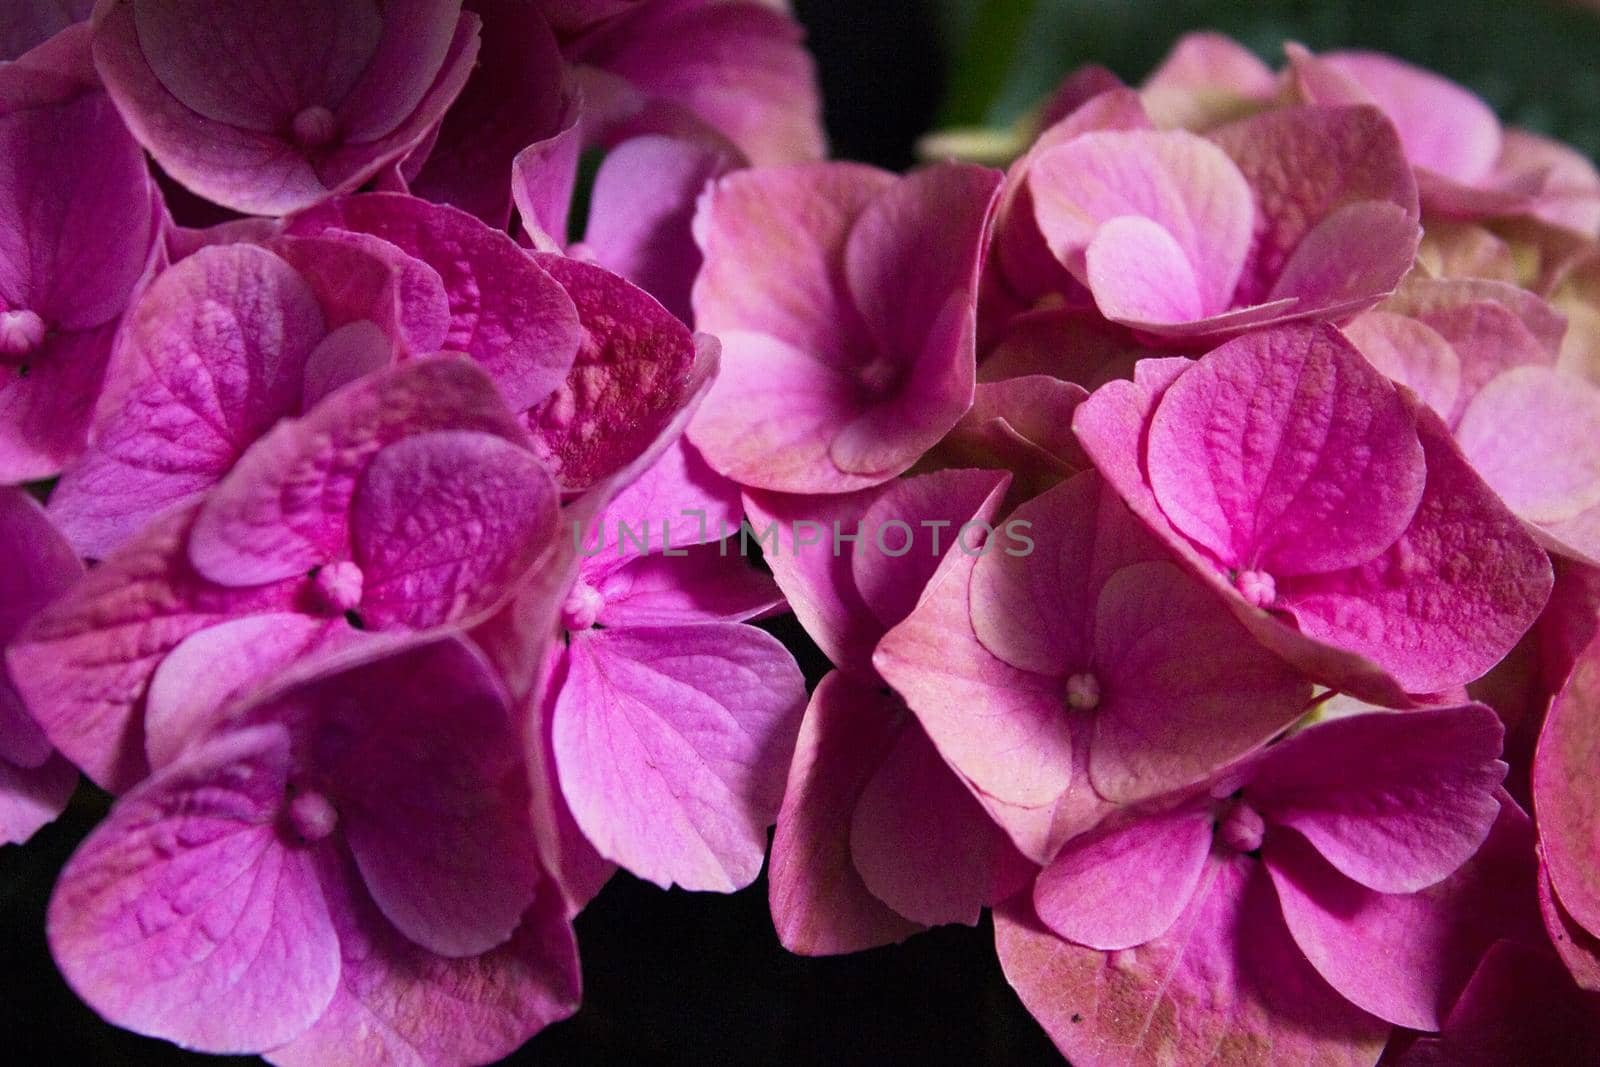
(919, 840)
(1224, 984)
(1577, 947)
(398, 1003)
(1204, 79)
(672, 743)
(210, 359)
(443, 523)
(1181, 183)
(707, 583)
(1124, 885)
(1002, 728)
(504, 311)
(1140, 274)
(678, 501)
(188, 915)
(1529, 433)
(1450, 598)
(543, 176)
(83, 665)
(31, 797)
(285, 507)
(1405, 957)
(45, 416)
(820, 905)
(636, 367)
(31, 22)
(1564, 796)
(1286, 452)
(1411, 353)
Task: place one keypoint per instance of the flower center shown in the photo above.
(1083, 691)
(1241, 827)
(21, 332)
(314, 127)
(582, 607)
(312, 816)
(1257, 587)
(338, 586)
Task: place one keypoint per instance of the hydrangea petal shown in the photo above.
(1529, 433)
(1564, 797)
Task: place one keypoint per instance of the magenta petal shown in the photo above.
(1564, 795)
(1450, 598)
(31, 22)
(1395, 802)
(820, 905)
(1286, 452)
(210, 358)
(398, 1003)
(543, 176)
(678, 501)
(1406, 956)
(672, 743)
(1002, 728)
(920, 841)
(1121, 886)
(705, 583)
(31, 797)
(443, 523)
(187, 915)
(505, 312)
(83, 665)
(45, 417)
(1224, 984)
(1577, 947)
(285, 507)
(636, 367)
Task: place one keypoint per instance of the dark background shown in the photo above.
(679, 977)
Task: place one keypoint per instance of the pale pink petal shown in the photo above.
(704, 583)
(820, 905)
(672, 743)
(1412, 353)
(1530, 434)
(543, 176)
(190, 914)
(1577, 947)
(1124, 885)
(1206, 78)
(1564, 796)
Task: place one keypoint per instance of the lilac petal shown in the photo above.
(430, 788)
(919, 840)
(285, 507)
(211, 357)
(31, 797)
(707, 583)
(505, 312)
(1520, 1007)
(1001, 728)
(398, 1003)
(83, 665)
(1412, 353)
(1225, 983)
(1528, 433)
(1564, 796)
(641, 212)
(1185, 689)
(189, 915)
(1286, 452)
(1122, 886)
(636, 367)
(1405, 957)
(1450, 598)
(672, 744)
(1304, 164)
(1394, 802)
(513, 99)
(443, 523)
(820, 905)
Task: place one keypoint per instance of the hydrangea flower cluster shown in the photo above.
(1201, 517)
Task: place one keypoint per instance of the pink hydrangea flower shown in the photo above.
(1484, 356)
(83, 223)
(843, 297)
(1347, 878)
(1334, 511)
(1089, 672)
(343, 867)
(406, 500)
(877, 838)
(1467, 165)
(35, 783)
(296, 104)
(1294, 213)
(670, 722)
